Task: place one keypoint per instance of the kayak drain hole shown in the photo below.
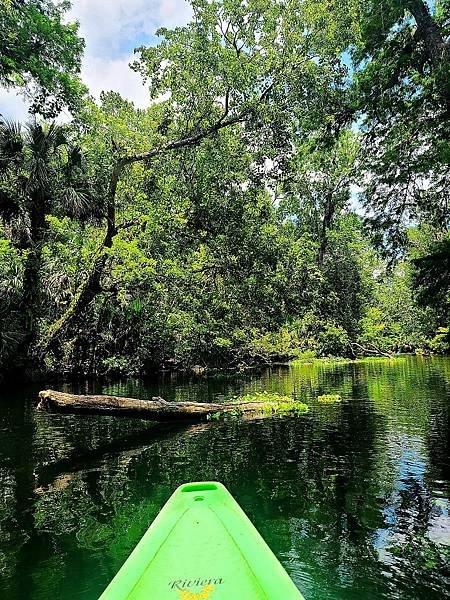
(199, 498)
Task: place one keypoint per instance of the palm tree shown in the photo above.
(40, 172)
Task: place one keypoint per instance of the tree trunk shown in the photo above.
(89, 290)
(156, 409)
(91, 287)
(428, 31)
(369, 349)
(84, 296)
(326, 222)
(30, 305)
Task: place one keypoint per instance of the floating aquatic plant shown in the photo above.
(269, 403)
(329, 398)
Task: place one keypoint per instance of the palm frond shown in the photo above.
(11, 142)
(43, 139)
(75, 202)
(11, 331)
(9, 205)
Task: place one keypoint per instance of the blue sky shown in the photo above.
(112, 29)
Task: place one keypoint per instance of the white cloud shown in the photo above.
(12, 105)
(173, 13)
(102, 74)
(110, 26)
(355, 204)
(112, 29)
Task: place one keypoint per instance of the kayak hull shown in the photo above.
(201, 546)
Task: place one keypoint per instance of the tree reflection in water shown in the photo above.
(352, 497)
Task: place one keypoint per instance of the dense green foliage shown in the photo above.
(219, 226)
(41, 54)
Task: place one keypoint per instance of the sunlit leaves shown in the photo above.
(41, 54)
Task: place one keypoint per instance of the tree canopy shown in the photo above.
(41, 54)
(284, 194)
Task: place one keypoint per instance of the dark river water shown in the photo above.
(353, 498)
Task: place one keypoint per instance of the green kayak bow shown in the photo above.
(201, 546)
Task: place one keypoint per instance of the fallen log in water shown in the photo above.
(155, 409)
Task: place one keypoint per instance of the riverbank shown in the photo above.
(196, 371)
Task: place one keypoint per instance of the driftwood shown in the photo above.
(155, 409)
(370, 349)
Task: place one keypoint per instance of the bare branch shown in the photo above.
(190, 140)
(128, 224)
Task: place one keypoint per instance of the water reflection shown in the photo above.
(353, 498)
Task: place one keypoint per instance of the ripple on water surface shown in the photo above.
(353, 497)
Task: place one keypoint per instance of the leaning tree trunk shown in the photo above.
(437, 48)
(90, 288)
(155, 409)
(428, 30)
(84, 296)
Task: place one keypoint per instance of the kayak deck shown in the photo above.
(201, 546)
